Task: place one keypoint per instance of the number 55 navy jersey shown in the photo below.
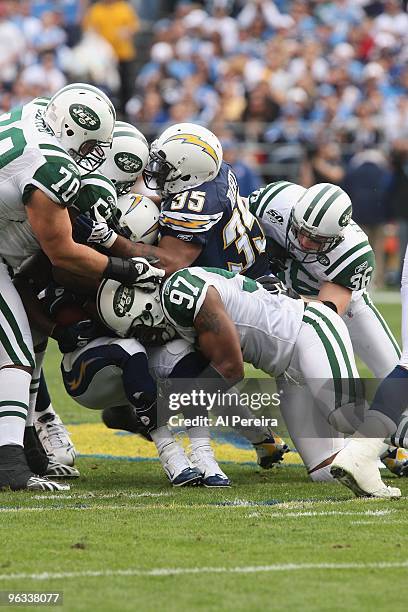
(214, 216)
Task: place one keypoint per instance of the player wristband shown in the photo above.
(120, 270)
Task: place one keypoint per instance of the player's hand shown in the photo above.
(76, 336)
(134, 272)
(154, 336)
(87, 231)
(56, 297)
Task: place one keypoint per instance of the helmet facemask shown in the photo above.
(325, 244)
(90, 155)
(156, 174)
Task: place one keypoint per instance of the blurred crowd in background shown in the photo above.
(305, 90)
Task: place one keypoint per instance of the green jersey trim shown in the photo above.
(358, 247)
(182, 310)
(357, 274)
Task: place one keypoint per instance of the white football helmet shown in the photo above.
(125, 309)
(320, 214)
(137, 218)
(82, 118)
(183, 157)
(127, 158)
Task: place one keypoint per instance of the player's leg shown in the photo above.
(375, 344)
(317, 411)
(112, 375)
(16, 366)
(179, 360)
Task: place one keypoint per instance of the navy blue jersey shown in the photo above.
(214, 216)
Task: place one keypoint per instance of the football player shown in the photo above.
(322, 254)
(99, 192)
(234, 319)
(45, 143)
(356, 466)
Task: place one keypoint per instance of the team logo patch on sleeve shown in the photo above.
(84, 116)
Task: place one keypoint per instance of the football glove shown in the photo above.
(134, 272)
(76, 336)
(87, 231)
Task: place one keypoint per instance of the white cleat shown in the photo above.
(356, 467)
(60, 470)
(177, 466)
(212, 475)
(39, 483)
(55, 438)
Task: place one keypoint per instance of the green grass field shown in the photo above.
(123, 539)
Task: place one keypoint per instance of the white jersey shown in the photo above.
(350, 264)
(268, 324)
(31, 157)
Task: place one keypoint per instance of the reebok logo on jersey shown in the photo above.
(123, 300)
(361, 267)
(185, 237)
(274, 216)
(127, 162)
(84, 116)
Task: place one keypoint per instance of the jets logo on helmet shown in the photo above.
(84, 116)
(127, 158)
(183, 157)
(123, 300)
(128, 162)
(124, 310)
(317, 220)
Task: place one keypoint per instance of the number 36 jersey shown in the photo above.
(350, 264)
(268, 324)
(215, 217)
(31, 157)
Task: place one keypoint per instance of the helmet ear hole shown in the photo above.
(69, 132)
(187, 177)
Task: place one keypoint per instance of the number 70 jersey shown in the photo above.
(214, 216)
(32, 158)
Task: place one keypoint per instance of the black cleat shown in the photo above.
(125, 418)
(16, 475)
(37, 458)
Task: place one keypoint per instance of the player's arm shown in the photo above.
(172, 254)
(52, 226)
(218, 338)
(338, 295)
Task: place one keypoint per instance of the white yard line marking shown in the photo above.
(102, 495)
(177, 571)
(274, 514)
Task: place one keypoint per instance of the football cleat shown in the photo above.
(16, 475)
(177, 467)
(356, 467)
(55, 438)
(126, 419)
(203, 459)
(270, 451)
(60, 470)
(396, 460)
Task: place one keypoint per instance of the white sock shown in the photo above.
(14, 398)
(164, 440)
(199, 438)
